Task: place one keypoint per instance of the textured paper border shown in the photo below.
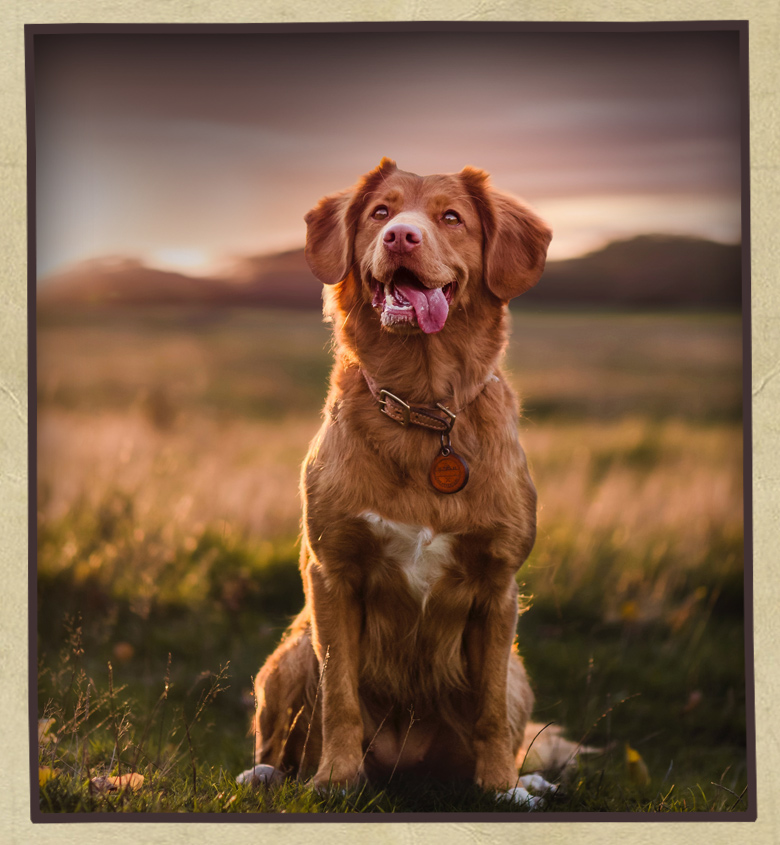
(765, 187)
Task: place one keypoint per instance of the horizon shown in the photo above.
(221, 271)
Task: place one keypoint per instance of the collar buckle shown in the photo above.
(450, 421)
(385, 395)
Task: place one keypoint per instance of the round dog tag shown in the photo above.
(449, 472)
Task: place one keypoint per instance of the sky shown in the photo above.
(186, 150)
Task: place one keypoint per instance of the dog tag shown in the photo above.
(449, 472)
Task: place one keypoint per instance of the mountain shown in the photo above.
(125, 281)
(281, 279)
(649, 270)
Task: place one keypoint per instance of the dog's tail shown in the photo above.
(545, 749)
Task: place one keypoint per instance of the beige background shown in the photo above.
(764, 18)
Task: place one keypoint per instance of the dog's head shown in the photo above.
(417, 245)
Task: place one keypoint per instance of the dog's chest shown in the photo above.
(421, 554)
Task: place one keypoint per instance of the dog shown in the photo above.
(418, 506)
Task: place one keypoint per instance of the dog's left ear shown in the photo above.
(516, 239)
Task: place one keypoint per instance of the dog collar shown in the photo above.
(449, 472)
(437, 416)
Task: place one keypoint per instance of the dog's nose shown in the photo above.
(402, 237)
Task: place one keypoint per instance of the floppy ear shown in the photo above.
(330, 227)
(328, 242)
(516, 240)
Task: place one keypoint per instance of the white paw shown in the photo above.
(262, 773)
(537, 783)
(521, 796)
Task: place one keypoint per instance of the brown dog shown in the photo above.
(418, 506)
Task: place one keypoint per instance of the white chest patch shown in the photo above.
(419, 552)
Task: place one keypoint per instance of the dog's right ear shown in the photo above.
(328, 242)
(330, 227)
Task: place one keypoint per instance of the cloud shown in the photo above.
(222, 143)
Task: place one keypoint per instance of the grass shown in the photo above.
(168, 453)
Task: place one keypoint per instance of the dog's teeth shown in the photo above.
(395, 300)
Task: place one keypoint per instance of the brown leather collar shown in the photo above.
(436, 417)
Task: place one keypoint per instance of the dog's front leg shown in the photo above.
(489, 646)
(336, 623)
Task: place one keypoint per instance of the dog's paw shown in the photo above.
(537, 783)
(340, 775)
(262, 773)
(521, 795)
(326, 790)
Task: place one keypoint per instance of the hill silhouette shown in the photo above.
(648, 270)
(119, 281)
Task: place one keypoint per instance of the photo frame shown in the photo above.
(745, 258)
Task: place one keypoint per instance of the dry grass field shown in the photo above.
(168, 452)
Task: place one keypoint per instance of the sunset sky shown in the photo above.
(183, 150)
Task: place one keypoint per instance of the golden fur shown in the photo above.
(403, 659)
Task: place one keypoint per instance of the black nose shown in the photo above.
(402, 237)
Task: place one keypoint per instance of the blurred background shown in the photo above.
(182, 364)
(199, 154)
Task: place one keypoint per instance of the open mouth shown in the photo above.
(404, 300)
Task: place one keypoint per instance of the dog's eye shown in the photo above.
(451, 218)
(380, 213)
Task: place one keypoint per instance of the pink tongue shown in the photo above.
(430, 306)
